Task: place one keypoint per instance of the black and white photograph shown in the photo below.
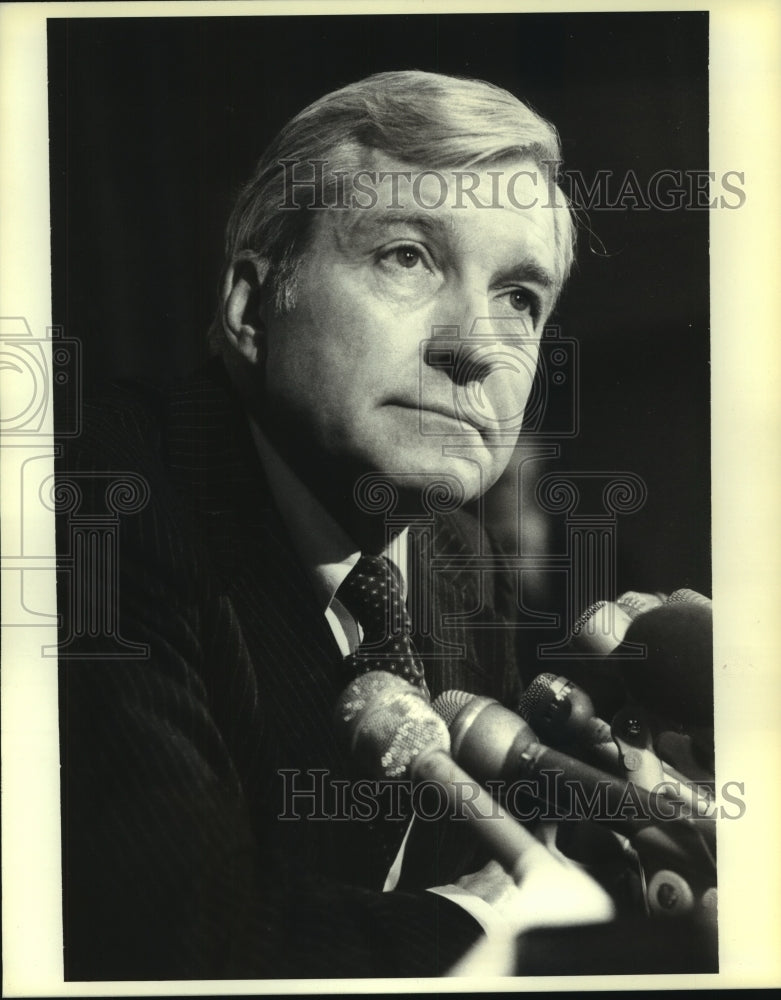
(387, 611)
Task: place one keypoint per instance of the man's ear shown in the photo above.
(241, 304)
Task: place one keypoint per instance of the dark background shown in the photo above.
(156, 122)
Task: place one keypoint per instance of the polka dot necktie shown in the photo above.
(371, 592)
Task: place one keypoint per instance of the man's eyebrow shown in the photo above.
(424, 221)
(530, 270)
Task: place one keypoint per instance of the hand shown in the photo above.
(492, 884)
(550, 893)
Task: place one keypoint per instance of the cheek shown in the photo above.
(303, 356)
(312, 372)
(508, 390)
(330, 339)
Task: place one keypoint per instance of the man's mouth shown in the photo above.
(463, 420)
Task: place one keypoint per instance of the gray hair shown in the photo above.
(427, 119)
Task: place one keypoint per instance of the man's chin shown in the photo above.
(440, 485)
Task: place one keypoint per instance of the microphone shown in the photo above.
(562, 714)
(600, 628)
(675, 679)
(393, 732)
(496, 745)
(663, 652)
(604, 625)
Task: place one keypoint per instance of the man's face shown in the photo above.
(352, 365)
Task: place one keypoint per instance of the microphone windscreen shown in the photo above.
(687, 596)
(635, 603)
(675, 679)
(535, 696)
(448, 704)
(600, 628)
(387, 723)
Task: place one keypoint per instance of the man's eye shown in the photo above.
(523, 301)
(406, 257)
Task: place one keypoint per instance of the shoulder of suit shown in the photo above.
(132, 420)
(130, 434)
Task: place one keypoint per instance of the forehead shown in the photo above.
(507, 208)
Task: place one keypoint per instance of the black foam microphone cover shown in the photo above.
(675, 679)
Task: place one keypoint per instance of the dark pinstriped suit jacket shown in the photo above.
(175, 864)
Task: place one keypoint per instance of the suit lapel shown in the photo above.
(252, 563)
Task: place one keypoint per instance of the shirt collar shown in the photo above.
(325, 549)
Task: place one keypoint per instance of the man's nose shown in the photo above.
(473, 343)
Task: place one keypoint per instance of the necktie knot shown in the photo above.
(372, 593)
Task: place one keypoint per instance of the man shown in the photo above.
(389, 270)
